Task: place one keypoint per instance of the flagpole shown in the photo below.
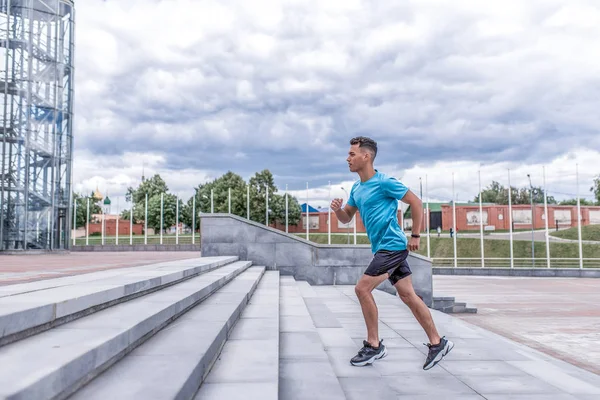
(481, 221)
(74, 220)
(118, 217)
(267, 205)
(510, 217)
(177, 219)
(146, 221)
(194, 219)
(162, 210)
(454, 222)
(354, 223)
(579, 219)
(102, 226)
(248, 201)
(87, 224)
(546, 219)
(131, 224)
(307, 214)
(329, 216)
(428, 221)
(286, 208)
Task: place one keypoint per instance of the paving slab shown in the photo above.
(557, 316)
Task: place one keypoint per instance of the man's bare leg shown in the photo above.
(364, 289)
(418, 307)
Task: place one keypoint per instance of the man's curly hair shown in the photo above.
(365, 143)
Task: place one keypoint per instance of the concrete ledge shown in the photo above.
(138, 247)
(532, 272)
(318, 264)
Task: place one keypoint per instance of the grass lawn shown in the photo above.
(588, 232)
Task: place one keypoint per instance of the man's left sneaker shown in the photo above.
(437, 352)
(368, 354)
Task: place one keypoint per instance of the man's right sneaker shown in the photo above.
(437, 352)
(368, 354)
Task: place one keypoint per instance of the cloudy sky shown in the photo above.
(191, 89)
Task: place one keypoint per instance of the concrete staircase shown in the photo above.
(220, 328)
(145, 332)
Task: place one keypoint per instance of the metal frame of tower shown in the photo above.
(36, 77)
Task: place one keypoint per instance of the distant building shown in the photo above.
(496, 216)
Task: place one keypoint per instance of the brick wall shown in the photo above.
(111, 228)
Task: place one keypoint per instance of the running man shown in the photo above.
(376, 195)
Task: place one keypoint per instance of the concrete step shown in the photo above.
(31, 308)
(175, 361)
(248, 367)
(356, 382)
(447, 304)
(55, 363)
(305, 369)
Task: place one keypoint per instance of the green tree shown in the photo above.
(596, 189)
(153, 186)
(81, 201)
(169, 211)
(258, 201)
(573, 202)
(498, 194)
(257, 186)
(277, 205)
(220, 189)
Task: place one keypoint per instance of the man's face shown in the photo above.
(357, 158)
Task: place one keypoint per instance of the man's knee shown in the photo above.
(361, 289)
(409, 297)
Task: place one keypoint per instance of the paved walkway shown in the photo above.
(482, 365)
(559, 316)
(32, 267)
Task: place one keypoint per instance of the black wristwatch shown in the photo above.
(415, 235)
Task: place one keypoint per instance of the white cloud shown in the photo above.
(204, 87)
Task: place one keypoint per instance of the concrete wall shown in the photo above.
(226, 234)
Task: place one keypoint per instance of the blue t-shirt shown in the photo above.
(377, 202)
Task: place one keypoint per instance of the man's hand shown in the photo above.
(413, 243)
(336, 204)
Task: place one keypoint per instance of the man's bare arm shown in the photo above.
(345, 215)
(416, 207)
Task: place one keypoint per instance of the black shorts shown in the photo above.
(391, 262)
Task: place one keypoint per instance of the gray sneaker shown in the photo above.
(437, 352)
(368, 354)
